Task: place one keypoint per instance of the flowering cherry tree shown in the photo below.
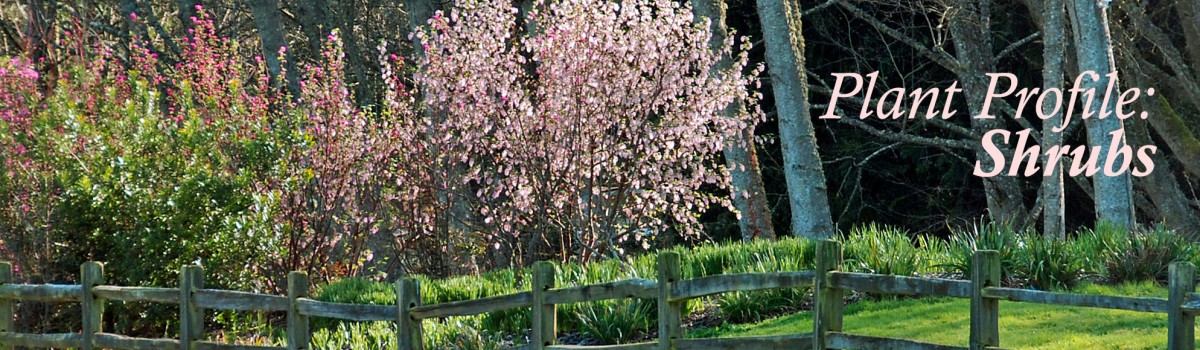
(588, 130)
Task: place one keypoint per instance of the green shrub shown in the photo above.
(355, 336)
(990, 236)
(785, 254)
(882, 250)
(934, 253)
(616, 321)
(1050, 263)
(460, 333)
(742, 307)
(353, 290)
(746, 307)
(1145, 255)
(1093, 245)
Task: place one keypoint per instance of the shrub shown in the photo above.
(556, 138)
(1093, 245)
(461, 333)
(353, 291)
(741, 307)
(616, 321)
(746, 307)
(990, 236)
(1050, 263)
(881, 250)
(355, 336)
(1145, 254)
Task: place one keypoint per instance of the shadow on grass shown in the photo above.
(1022, 325)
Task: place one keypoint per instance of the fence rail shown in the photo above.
(828, 283)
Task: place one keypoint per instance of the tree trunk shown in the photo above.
(747, 190)
(1053, 35)
(356, 69)
(1093, 45)
(187, 11)
(313, 16)
(807, 195)
(270, 33)
(1178, 136)
(970, 25)
(1162, 187)
(419, 13)
(1189, 22)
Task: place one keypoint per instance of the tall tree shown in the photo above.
(970, 25)
(187, 11)
(746, 184)
(803, 171)
(1171, 204)
(317, 19)
(1093, 48)
(271, 36)
(314, 18)
(1054, 33)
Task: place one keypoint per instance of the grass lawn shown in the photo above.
(1022, 325)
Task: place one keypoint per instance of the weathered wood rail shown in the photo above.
(828, 283)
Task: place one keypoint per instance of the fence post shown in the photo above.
(1181, 327)
(298, 335)
(91, 274)
(545, 319)
(6, 305)
(670, 314)
(828, 298)
(409, 333)
(191, 317)
(985, 312)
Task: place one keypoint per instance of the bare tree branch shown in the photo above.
(908, 138)
(939, 56)
(1017, 44)
(819, 7)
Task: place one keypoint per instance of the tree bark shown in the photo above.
(1093, 45)
(356, 68)
(1053, 35)
(270, 33)
(747, 190)
(807, 197)
(187, 11)
(1172, 128)
(1189, 22)
(970, 25)
(314, 18)
(1161, 185)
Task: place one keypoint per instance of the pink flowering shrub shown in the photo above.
(149, 169)
(25, 188)
(155, 165)
(595, 133)
(330, 202)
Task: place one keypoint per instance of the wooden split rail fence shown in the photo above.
(828, 284)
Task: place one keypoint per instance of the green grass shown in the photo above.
(1104, 254)
(1022, 325)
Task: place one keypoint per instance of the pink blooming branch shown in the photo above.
(608, 139)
